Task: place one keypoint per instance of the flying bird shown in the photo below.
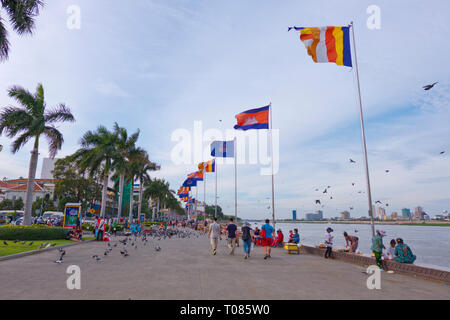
(378, 201)
(353, 184)
(387, 171)
(317, 201)
(429, 86)
(324, 191)
(442, 152)
(351, 208)
(352, 161)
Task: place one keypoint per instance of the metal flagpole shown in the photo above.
(196, 197)
(271, 160)
(235, 180)
(366, 164)
(215, 207)
(204, 194)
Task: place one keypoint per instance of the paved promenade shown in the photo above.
(185, 269)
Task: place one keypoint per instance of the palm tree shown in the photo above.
(31, 121)
(160, 191)
(142, 169)
(21, 14)
(97, 153)
(125, 148)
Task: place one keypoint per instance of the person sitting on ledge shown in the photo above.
(390, 253)
(403, 253)
(291, 237)
(296, 237)
(278, 241)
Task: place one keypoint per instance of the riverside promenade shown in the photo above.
(186, 269)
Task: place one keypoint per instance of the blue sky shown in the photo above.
(161, 65)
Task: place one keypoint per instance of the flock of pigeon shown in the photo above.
(42, 246)
(138, 240)
(426, 87)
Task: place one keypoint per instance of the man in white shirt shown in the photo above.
(214, 234)
(101, 229)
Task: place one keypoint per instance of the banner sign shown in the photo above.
(72, 211)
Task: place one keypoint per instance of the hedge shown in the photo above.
(33, 232)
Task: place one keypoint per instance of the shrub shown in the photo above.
(33, 232)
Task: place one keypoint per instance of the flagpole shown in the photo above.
(271, 160)
(363, 136)
(215, 207)
(204, 195)
(235, 179)
(196, 197)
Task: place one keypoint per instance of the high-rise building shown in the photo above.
(394, 215)
(319, 214)
(47, 166)
(345, 215)
(294, 214)
(406, 213)
(418, 213)
(381, 213)
(314, 216)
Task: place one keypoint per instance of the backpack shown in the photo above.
(246, 234)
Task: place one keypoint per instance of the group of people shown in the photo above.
(266, 234)
(398, 250)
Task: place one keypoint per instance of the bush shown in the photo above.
(33, 232)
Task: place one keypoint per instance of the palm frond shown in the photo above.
(4, 43)
(55, 140)
(14, 120)
(22, 13)
(59, 114)
(20, 142)
(24, 97)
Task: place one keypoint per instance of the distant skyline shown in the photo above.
(160, 65)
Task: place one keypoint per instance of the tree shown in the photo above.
(96, 156)
(159, 190)
(21, 15)
(29, 123)
(8, 204)
(210, 211)
(45, 203)
(73, 186)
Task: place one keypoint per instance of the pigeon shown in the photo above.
(429, 86)
(23, 242)
(442, 152)
(317, 189)
(31, 243)
(40, 247)
(331, 198)
(158, 248)
(352, 161)
(324, 191)
(4, 242)
(387, 171)
(353, 184)
(387, 204)
(96, 257)
(15, 241)
(378, 201)
(61, 256)
(317, 201)
(124, 253)
(53, 244)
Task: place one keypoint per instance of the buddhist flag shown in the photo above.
(208, 166)
(327, 44)
(222, 149)
(253, 119)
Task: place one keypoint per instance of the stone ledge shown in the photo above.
(403, 268)
(29, 253)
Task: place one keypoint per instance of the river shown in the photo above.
(430, 244)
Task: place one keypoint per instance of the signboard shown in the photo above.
(72, 211)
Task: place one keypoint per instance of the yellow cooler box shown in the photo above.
(292, 247)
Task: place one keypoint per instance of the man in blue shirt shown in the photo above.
(296, 236)
(269, 235)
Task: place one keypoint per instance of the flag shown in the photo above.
(197, 176)
(222, 149)
(253, 119)
(327, 44)
(183, 190)
(190, 183)
(208, 166)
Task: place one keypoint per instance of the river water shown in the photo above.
(430, 244)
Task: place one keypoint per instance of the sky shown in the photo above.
(161, 65)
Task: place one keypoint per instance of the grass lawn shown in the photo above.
(13, 248)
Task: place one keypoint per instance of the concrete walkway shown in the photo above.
(186, 269)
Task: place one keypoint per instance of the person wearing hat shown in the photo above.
(247, 234)
(329, 243)
(377, 248)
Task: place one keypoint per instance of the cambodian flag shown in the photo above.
(222, 149)
(197, 176)
(253, 119)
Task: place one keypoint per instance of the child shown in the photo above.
(329, 243)
(390, 253)
(377, 247)
(291, 237)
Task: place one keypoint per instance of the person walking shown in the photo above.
(268, 236)
(247, 239)
(329, 243)
(101, 229)
(377, 247)
(214, 233)
(231, 235)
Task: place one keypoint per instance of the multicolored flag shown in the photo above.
(190, 183)
(183, 190)
(253, 119)
(327, 44)
(208, 166)
(223, 149)
(197, 176)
